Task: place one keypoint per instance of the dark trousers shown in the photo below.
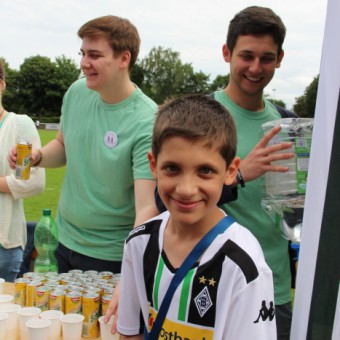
(283, 315)
(69, 259)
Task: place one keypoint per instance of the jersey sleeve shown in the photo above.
(252, 311)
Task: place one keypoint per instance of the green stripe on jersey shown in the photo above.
(185, 295)
(159, 272)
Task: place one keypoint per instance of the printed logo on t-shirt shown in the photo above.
(266, 313)
(110, 139)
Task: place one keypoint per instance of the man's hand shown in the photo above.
(12, 157)
(113, 309)
(259, 160)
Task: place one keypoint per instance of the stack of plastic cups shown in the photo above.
(12, 319)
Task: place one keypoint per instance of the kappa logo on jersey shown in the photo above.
(265, 312)
(137, 229)
(203, 301)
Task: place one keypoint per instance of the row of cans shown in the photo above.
(69, 293)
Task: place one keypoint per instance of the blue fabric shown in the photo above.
(10, 261)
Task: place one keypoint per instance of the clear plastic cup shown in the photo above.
(72, 326)
(5, 298)
(25, 314)
(12, 320)
(3, 317)
(105, 329)
(2, 281)
(54, 317)
(38, 329)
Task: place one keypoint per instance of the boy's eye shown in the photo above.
(206, 171)
(171, 169)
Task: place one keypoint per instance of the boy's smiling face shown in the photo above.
(190, 178)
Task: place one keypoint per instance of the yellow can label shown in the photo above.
(73, 303)
(57, 300)
(20, 291)
(23, 164)
(91, 304)
(42, 296)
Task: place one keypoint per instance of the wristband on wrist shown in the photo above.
(40, 158)
(240, 179)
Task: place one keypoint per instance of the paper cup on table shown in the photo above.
(2, 281)
(105, 329)
(54, 317)
(72, 326)
(38, 329)
(3, 317)
(12, 320)
(25, 314)
(5, 298)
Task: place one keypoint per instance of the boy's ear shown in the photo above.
(153, 164)
(232, 171)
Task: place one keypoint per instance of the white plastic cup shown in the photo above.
(54, 317)
(72, 326)
(3, 317)
(12, 320)
(38, 329)
(25, 314)
(6, 298)
(2, 281)
(105, 329)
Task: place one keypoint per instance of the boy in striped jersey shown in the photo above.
(228, 294)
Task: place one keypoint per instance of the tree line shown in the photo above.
(38, 87)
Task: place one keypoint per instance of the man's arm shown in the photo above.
(145, 206)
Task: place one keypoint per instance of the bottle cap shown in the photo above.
(47, 212)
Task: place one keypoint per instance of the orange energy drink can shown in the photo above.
(20, 291)
(42, 296)
(57, 300)
(91, 303)
(23, 164)
(73, 302)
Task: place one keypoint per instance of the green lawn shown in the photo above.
(50, 197)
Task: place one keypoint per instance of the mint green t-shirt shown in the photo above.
(106, 150)
(247, 209)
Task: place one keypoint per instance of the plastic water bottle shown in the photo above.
(284, 193)
(46, 243)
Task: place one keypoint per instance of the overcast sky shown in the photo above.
(194, 28)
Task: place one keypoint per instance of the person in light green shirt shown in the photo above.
(104, 138)
(254, 50)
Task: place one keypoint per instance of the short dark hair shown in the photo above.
(256, 20)
(121, 34)
(2, 70)
(196, 117)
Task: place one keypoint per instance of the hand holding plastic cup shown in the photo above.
(12, 320)
(105, 329)
(3, 317)
(55, 328)
(72, 326)
(25, 314)
(2, 281)
(38, 329)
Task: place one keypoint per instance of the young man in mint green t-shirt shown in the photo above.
(104, 137)
(254, 50)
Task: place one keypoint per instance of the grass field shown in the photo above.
(50, 197)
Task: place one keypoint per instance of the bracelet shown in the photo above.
(40, 158)
(240, 179)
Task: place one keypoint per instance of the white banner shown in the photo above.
(316, 294)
